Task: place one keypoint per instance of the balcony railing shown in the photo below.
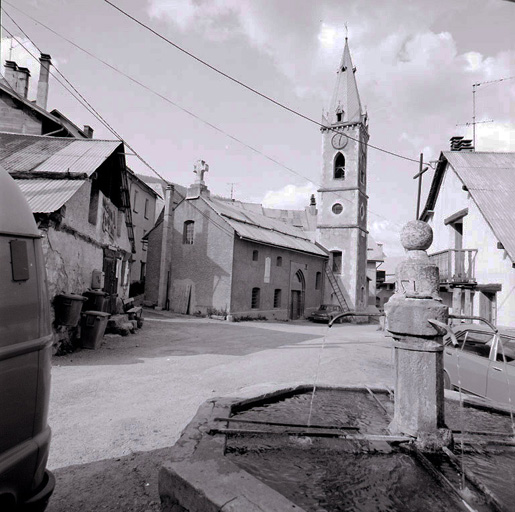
(456, 265)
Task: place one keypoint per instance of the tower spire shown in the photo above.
(345, 104)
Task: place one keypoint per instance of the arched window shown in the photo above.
(279, 261)
(255, 255)
(318, 280)
(255, 298)
(339, 167)
(188, 232)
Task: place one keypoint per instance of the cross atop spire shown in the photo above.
(345, 105)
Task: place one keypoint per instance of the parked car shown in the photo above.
(483, 363)
(25, 352)
(325, 313)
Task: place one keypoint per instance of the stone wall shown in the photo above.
(205, 265)
(153, 266)
(143, 220)
(73, 247)
(249, 274)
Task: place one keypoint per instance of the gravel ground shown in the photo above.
(116, 411)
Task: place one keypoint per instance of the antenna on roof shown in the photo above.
(474, 122)
(232, 190)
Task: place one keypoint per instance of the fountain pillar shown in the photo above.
(418, 347)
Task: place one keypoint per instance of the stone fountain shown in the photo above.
(242, 454)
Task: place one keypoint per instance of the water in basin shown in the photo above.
(332, 474)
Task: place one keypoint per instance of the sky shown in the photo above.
(416, 62)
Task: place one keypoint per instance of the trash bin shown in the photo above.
(67, 309)
(96, 300)
(93, 326)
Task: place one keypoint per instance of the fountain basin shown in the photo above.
(266, 459)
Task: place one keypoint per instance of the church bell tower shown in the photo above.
(342, 217)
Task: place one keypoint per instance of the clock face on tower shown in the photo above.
(339, 141)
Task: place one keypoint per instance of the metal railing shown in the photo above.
(456, 265)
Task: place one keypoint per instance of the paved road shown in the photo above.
(116, 411)
(137, 393)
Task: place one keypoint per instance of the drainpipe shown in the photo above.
(418, 344)
(164, 263)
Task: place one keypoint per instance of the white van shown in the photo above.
(25, 356)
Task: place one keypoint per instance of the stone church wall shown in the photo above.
(268, 277)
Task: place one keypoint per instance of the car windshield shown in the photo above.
(475, 342)
(323, 307)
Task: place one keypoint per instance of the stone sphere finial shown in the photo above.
(416, 235)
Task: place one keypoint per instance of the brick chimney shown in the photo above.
(44, 70)
(17, 78)
(461, 144)
(23, 81)
(88, 131)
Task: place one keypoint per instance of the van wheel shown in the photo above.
(446, 381)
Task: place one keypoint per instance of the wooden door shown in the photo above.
(296, 305)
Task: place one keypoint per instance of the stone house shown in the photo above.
(20, 115)
(375, 258)
(78, 191)
(217, 256)
(143, 205)
(470, 208)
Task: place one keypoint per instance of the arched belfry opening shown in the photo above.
(339, 167)
(298, 287)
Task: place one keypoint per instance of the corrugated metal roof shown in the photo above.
(253, 226)
(33, 153)
(490, 180)
(47, 196)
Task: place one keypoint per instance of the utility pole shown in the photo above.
(419, 176)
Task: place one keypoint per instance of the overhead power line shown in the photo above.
(168, 100)
(248, 87)
(88, 107)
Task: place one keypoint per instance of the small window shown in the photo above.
(19, 260)
(134, 202)
(339, 167)
(143, 271)
(146, 208)
(318, 280)
(255, 298)
(279, 261)
(255, 255)
(277, 298)
(188, 232)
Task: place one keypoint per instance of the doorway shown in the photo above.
(297, 296)
(459, 260)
